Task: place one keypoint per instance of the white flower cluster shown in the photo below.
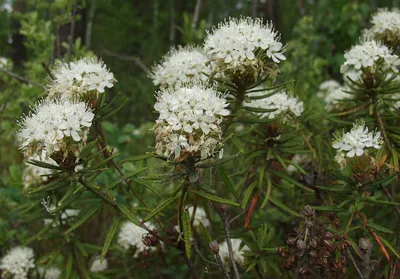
(131, 235)
(79, 78)
(242, 44)
(366, 56)
(281, 101)
(332, 93)
(189, 121)
(224, 251)
(355, 142)
(385, 24)
(181, 65)
(97, 266)
(33, 175)
(49, 273)
(17, 262)
(55, 126)
(200, 216)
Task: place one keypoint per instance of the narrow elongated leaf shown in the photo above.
(292, 181)
(228, 183)
(53, 185)
(267, 194)
(187, 233)
(129, 214)
(83, 219)
(256, 120)
(391, 248)
(247, 195)
(109, 237)
(38, 235)
(204, 232)
(115, 110)
(68, 268)
(44, 165)
(261, 110)
(237, 143)
(284, 207)
(380, 202)
(379, 228)
(335, 189)
(329, 208)
(159, 208)
(214, 198)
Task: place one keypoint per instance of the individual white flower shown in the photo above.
(356, 142)
(17, 262)
(224, 251)
(385, 25)
(281, 101)
(36, 175)
(49, 273)
(369, 56)
(79, 79)
(332, 93)
(189, 121)
(245, 44)
(130, 236)
(181, 65)
(55, 129)
(97, 266)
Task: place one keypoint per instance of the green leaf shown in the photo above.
(388, 245)
(214, 198)
(329, 208)
(83, 219)
(292, 181)
(237, 143)
(251, 265)
(261, 110)
(204, 232)
(44, 165)
(128, 214)
(159, 208)
(187, 233)
(256, 120)
(115, 110)
(374, 201)
(267, 194)
(335, 189)
(378, 228)
(136, 158)
(38, 235)
(53, 185)
(68, 268)
(284, 207)
(247, 195)
(109, 237)
(228, 183)
(125, 177)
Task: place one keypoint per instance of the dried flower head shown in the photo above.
(182, 65)
(17, 262)
(370, 57)
(55, 129)
(130, 236)
(189, 121)
(244, 45)
(282, 102)
(224, 251)
(332, 93)
(356, 142)
(81, 79)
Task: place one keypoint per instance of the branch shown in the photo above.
(88, 37)
(133, 59)
(21, 78)
(354, 263)
(196, 14)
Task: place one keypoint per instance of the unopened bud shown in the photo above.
(214, 246)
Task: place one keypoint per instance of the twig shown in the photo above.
(228, 240)
(134, 59)
(397, 209)
(365, 250)
(196, 248)
(71, 33)
(354, 264)
(196, 14)
(20, 78)
(88, 37)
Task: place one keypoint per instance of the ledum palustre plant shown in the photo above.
(232, 143)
